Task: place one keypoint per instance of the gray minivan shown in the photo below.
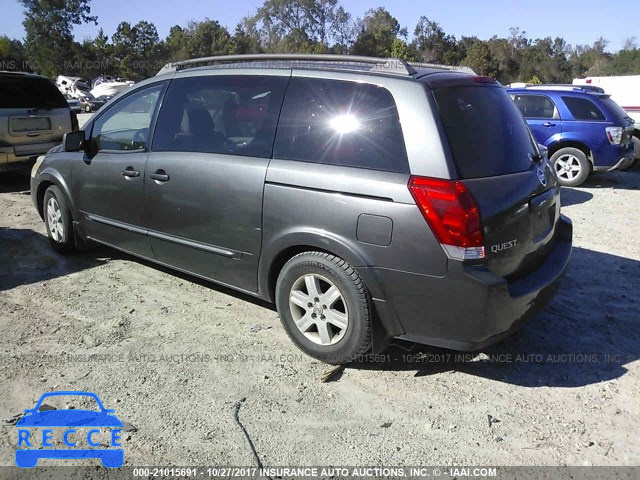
(352, 192)
(34, 116)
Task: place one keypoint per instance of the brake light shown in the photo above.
(452, 214)
(614, 134)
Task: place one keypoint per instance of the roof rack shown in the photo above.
(437, 66)
(569, 88)
(394, 66)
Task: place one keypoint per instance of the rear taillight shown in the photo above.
(452, 214)
(614, 134)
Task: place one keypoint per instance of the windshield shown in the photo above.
(486, 131)
(18, 91)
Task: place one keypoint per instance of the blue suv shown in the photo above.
(584, 131)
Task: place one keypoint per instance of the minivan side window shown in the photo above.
(341, 123)
(228, 114)
(536, 106)
(583, 109)
(125, 126)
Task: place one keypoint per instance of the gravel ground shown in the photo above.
(185, 356)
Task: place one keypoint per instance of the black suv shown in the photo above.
(350, 191)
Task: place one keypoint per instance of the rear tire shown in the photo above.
(571, 165)
(57, 219)
(324, 307)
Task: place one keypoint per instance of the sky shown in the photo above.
(577, 22)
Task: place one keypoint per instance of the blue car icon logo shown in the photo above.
(33, 447)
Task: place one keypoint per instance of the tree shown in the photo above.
(629, 44)
(12, 54)
(432, 43)
(138, 49)
(480, 60)
(207, 38)
(48, 25)
(343, 31)
(246, 38)
(296, 25)
(377, 31)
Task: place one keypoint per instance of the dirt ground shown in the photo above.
(177, 358)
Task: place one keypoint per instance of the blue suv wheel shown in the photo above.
(571, 165)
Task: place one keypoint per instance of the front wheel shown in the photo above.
(324, 307)
(57, 219)
(571, 166)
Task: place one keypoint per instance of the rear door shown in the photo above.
(32, 112)
(496, 159)
(205, 175)
(541, 114)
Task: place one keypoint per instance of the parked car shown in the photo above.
(34, 116)
(74, 103)
(584, 131)
(349, 191)
(89, 103)
(625, 91)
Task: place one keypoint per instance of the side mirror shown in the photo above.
(73, 141)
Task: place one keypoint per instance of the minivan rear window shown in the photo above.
(486, 132)
(22, 91)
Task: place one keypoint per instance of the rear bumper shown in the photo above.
(623, 163)
(470, 307)
(21, 156)
(613, 157)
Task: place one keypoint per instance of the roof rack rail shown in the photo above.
(437, 66)
(395, 66)
(565, 87)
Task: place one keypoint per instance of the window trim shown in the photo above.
(154, 117)
(556, 112)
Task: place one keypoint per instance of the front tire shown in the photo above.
(571, 165)
(324, 307)
(57, 219)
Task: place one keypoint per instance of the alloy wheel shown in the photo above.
(568, 167)
(319, 309)
(54, 220)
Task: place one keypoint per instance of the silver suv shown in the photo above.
(367, 198)
(34, 116)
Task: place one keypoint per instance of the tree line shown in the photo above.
(295, 26)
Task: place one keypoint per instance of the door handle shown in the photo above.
(159, 175)
(130, 172)
(548, 124)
